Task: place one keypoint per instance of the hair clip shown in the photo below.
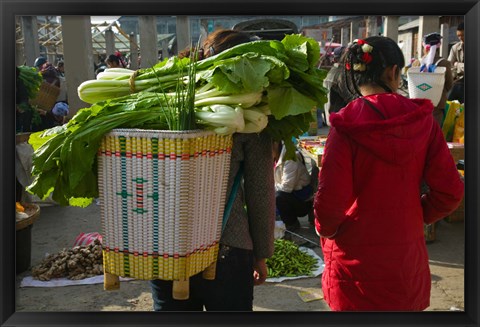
(367, 48)
(211, 51)
(367, 58)
(359, 67)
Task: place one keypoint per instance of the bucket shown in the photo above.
(426, 85)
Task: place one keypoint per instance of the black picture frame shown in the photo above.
(9, 9)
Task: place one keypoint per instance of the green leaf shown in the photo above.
(287, 101)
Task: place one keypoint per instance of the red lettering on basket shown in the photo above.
(135, 253)
(229, 150)
(173, 156)
(149, 155)
(107, 249)
(161, 156)
(176, 256)
(185, 156)
(128, 154)
(145, 254)
(117, 154)
(155, 254)
(108, 153)
(139, 155)
(165, 255)
(116, 250)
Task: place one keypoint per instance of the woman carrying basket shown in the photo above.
(247, 239)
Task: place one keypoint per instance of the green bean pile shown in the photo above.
(289, 261)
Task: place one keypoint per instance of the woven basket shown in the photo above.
(426, 85)
(162, 197)
(46, 96)
(33, 212)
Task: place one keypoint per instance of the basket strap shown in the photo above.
(233, 194)
(371, 105)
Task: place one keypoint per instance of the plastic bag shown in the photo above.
(459, 129)
(84, 239)
(452, 111)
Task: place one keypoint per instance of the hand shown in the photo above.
(259, 271)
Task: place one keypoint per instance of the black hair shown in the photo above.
(365, 67)
(113, 58)
(460, 27)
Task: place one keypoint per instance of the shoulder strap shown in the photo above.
(232, 196)
(374, 108)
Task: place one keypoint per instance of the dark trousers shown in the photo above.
(290, 207)
(231, 290)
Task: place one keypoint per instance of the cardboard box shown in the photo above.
(457, 150)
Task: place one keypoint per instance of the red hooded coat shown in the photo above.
(369, 203)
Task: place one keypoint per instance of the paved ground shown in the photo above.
(57, 228)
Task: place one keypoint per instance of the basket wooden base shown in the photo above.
(180, 289)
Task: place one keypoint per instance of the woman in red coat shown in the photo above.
(369, 210)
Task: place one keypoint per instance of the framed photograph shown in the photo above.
(318, 19)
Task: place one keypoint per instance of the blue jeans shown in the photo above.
(231, 290)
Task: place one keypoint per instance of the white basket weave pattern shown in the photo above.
(162, 196)
(426, 85)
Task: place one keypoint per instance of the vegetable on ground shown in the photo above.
(289, 260)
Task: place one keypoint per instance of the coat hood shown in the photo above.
(396, 139)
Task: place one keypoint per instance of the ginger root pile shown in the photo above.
(76, 263)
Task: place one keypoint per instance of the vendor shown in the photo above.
(293, 192)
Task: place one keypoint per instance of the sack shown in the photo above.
(426, 85)
(84, 239)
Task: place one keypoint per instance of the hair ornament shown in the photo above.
(359, 67)
(367, 58)
(367, 48)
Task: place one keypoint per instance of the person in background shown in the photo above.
(247, 240)
(61, 69)
(293, 192)
(431, 46)
(54, 117)
(338, 96)
(116, 60)
(39, 62)
(369, 210)
(50, 74)
(456, 58)
(113, 61)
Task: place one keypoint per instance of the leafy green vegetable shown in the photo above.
(273, 85)
(31, 78)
